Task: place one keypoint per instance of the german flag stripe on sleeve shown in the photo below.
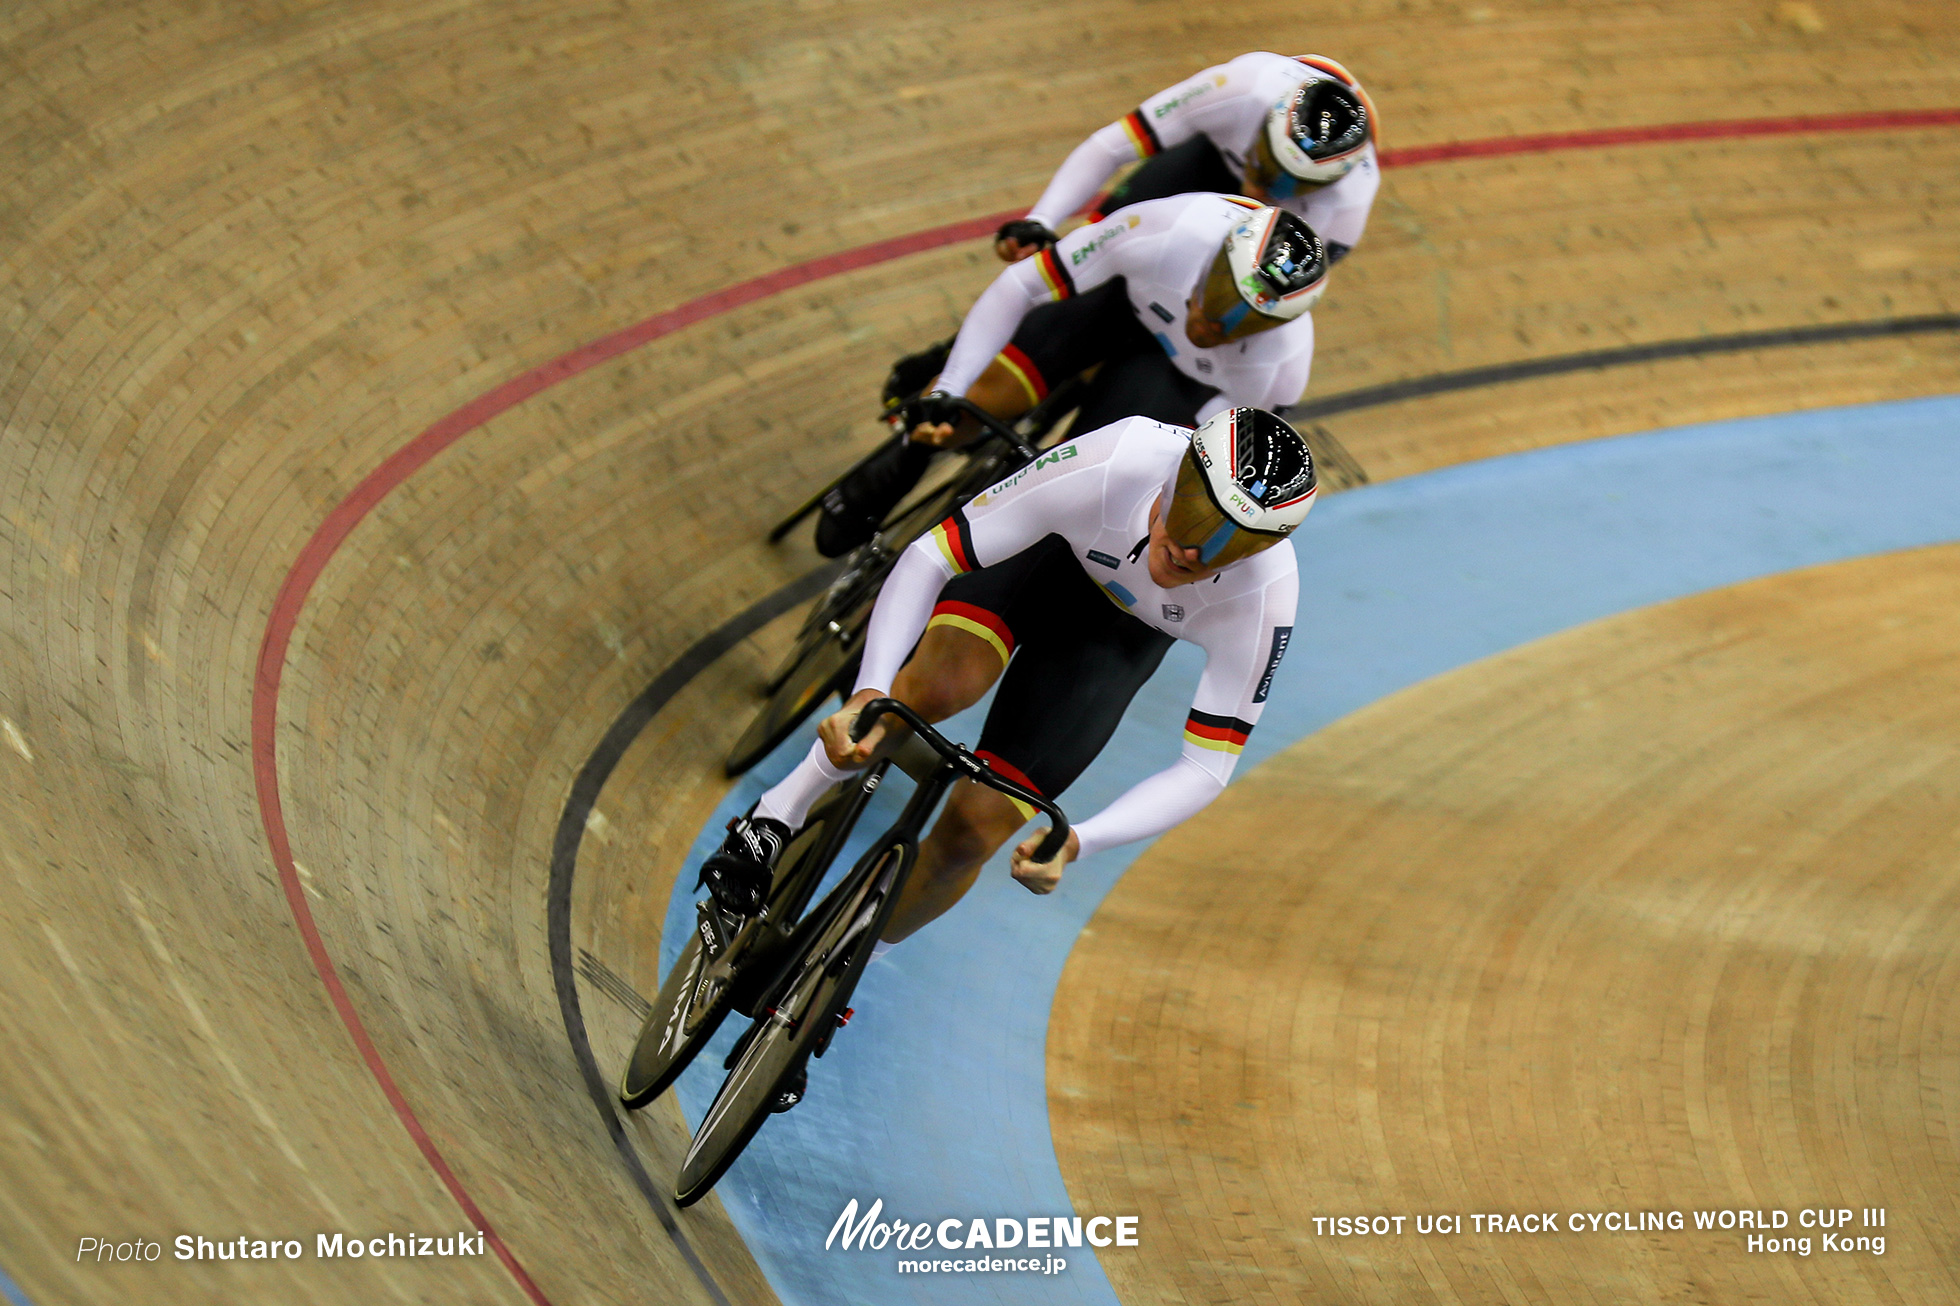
(955, 543)
(1141, 134)
(1060, 284)
(1223, 734)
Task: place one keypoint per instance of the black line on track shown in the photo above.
(706, 651)
(1438, 383)
(564, 862)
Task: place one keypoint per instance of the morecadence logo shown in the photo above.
(1046, 1234)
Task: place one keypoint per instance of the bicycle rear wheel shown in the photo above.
(785, 1036)
(829, 664)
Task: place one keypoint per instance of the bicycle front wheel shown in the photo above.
(683, 1019)
(784, 1038)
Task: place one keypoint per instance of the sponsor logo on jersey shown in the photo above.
(1281, 636)
(1111, 230)
(1172, 612)
(1201, 89)
(1057, 455)
(1096, 555)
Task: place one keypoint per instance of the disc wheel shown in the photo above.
(682, 1021)
(829, 663)
(782, 1042)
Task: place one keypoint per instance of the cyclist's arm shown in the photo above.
(1081, 260)
(1244, 651)
(1168, 118)
(1089, 167)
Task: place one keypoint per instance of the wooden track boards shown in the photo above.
(252, 249)
(1660, 914)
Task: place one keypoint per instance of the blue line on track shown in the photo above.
(935, 1099)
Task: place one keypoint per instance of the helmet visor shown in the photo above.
(1226, 305)
(1193, 521)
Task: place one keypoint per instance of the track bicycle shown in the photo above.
(790, 970)
(824, 657)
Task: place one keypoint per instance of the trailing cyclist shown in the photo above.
(1298, 133)
(1067, 582)
(1191, 305)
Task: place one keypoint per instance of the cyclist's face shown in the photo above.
(1170, 564)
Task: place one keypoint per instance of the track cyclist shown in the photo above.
(1294, 132)
(1191, 305)
(1068, 582)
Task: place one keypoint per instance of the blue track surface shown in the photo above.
(10, 1291)
(935, 1098)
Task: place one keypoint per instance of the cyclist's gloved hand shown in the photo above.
(1021, 238)
(931, 417)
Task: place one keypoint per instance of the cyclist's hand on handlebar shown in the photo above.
(932, 419)
(835, 732)
(1021, 238)
(1042, 877)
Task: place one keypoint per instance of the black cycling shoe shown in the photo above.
(739, 872)
(791, 1093)
(854, 508)
(911, 374)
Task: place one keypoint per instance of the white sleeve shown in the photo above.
(1150, 807)
(991, 323)
(1242, 655)
(1083, 173)
(904, 607)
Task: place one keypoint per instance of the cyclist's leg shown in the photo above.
(1053, 343)
(1194, 165)
(1079, 662)
(961, 654)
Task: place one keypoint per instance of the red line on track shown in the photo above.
(1816, 124)
(410, 458)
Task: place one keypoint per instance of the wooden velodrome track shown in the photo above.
(253, 250)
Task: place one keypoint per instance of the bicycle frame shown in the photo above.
(936, 764)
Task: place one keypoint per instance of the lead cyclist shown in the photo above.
(1067, 582)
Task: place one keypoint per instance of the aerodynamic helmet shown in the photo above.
(1246, 481)
(1313, 136)
(1271, 269)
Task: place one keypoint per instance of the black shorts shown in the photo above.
(1056, 341)
(1195, 165)
(1074, 661)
